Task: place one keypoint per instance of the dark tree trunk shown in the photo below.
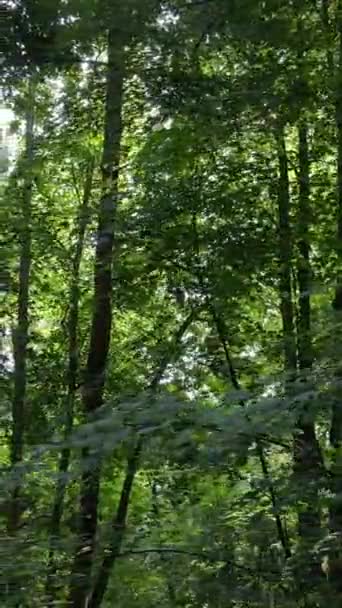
(336, 427)
(308, 461)
(335, 565)
(306, 448)
(72, 375)
(118, 530)
(119, 521)
(285, 265)
(305, 357)
(338, 97)
(20, 336)
(285, 260)
(102, 318)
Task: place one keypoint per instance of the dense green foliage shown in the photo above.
(171, 406)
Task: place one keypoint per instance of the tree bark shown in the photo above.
(335, 563)
(338, 110)
(102, 317)
(308, 460)
(336, 426)
(21, 332)
(285, 260)
(306, 451)
(305, 356)
(72, 374)
(119, 520)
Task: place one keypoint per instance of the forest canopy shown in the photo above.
(171, 298)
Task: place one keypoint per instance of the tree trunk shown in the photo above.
(119, 521)
(308, 461)
(306, 450)
(285, 260)
(338, 109)
(118, 530)
(102, 318)
(336, 427)
(335, 564)
(305, 357)
(20, 336)
(285, 264)
(72, 373)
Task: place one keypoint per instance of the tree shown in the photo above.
(20, 337)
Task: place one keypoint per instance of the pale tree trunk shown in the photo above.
(102, 319)
(21, 332)
(72, 376)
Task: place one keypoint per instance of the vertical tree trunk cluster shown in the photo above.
(285, 260)
(72, 377)
(298, 357)
(21, 332)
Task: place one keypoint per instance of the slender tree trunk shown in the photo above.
(165, 562)
(336, 427)
(119, 520)
(338, 109)
(102, 318)
(281, 531)
(305, 356)
(308, 461)
(72, 374)
(233, 377)
(20, 336)
(335, 564)
(285, 261)
(118, 530)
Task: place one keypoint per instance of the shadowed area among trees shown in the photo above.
(171, 299)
